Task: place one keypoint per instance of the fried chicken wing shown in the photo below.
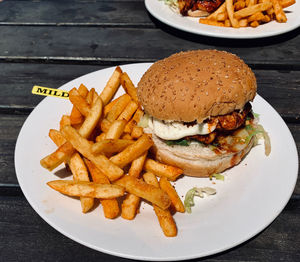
(193, 5)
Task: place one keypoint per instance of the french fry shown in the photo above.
(252, 2)
(90, 96)
(137, 165)
(57, 137)
(117, 108)
(126, 136)
(79, 102)
(129, 87)
(252, 10)
(170, 190)
(266, 19)
(76, 117)
(111, 87)
(64, 121)
(254, 24)
(141, 189)
(280, 15)
(256, 17)
(86, 189)
(243, 22)
(164, 217)
(109, 106)
(133, 151)
(135, 119)
(91, 119)
(110, 206)
(100, 137)
(116, 129)
(287, 3)
(159, 169)
(62, 154)
(129, 206)
(105, 125)
(131, 202)
(227, 23)
(110, 146)
(229, 7)
(80, 173)
(210, 22)
(222, 17)
(221, 9)
(83, 146)
(137, 132)
(239, 5)
(128, 111)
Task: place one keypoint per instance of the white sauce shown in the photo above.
(177, 130)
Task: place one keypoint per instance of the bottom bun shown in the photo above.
(198, 167)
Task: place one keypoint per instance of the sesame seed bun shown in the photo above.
(195, 85)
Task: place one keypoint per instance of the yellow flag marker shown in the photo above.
(46, 91)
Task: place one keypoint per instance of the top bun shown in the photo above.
(195, 85)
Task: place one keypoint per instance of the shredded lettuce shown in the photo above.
(196, 191)
(257, 131)
(218, 177)
(181, 142)
(144, 121)
(171, 3)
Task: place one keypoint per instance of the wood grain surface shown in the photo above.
(52, 42)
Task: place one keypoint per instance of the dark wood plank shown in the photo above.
(280, 88)
(103, 45)
(24, 236)
(9, 130)
(71, 13)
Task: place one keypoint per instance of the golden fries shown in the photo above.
(133, 151)
(243, 13)
(101, 141)
(117, 108)
(79, 102)
(131, 202)
(83, 146)
(129, 87)
(110, 206)
(86, 189)
(170, 190)
(161, 170)
(111, 87)
(110, 146)
(164, 216)
(62, 154)
(116, 129)
(139, 188)
(80, 173)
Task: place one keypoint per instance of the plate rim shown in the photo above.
(149, 6)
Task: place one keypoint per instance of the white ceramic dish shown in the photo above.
(163, 13)
(250, 198)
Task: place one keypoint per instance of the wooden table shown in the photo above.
(52, 42)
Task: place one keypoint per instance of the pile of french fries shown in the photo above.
(107, 154)
(244, 13)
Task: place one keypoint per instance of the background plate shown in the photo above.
(249, 199)
(163, 13)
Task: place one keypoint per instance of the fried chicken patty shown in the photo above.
(193, 5)
(225, 124)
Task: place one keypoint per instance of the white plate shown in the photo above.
(249, 199)
(163, 13)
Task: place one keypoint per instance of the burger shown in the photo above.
(197, 108)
